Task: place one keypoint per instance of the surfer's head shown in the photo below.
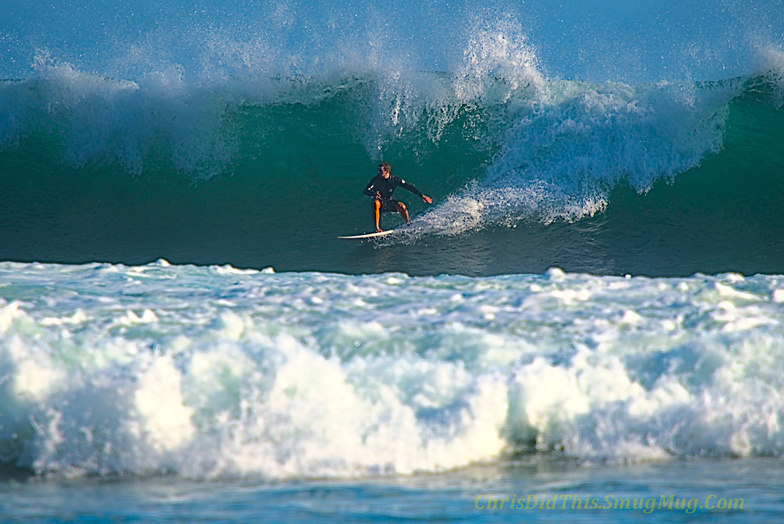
(384, 169)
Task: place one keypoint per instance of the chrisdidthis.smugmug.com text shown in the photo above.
(670, 502)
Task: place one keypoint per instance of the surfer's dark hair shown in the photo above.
(385, 166)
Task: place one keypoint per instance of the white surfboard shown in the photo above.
(369, 235)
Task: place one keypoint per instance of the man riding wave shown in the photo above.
(382, 186)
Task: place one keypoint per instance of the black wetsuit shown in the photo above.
(386, 187)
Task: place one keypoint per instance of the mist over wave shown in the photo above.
(208, 41)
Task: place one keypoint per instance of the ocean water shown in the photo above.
(585, 324)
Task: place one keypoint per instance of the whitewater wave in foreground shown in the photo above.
(217, 372)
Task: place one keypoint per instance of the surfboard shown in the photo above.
(368, 235)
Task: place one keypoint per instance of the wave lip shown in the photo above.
(568, 149)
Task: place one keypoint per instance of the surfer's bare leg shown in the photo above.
(377, 213)
(401, 208)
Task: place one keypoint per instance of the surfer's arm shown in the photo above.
(370, 188)
(410, 187)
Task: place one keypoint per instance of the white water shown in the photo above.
(216, 372)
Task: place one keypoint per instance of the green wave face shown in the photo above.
(526, 173)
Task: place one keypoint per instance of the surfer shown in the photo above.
(382, 186)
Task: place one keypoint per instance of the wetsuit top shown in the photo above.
(386, 186)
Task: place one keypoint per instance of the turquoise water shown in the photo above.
(591, 309)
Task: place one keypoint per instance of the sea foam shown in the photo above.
(205, 372)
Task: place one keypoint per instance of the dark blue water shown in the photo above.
(730, 491)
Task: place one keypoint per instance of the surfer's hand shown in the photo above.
(427, 199)
(377, 196)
